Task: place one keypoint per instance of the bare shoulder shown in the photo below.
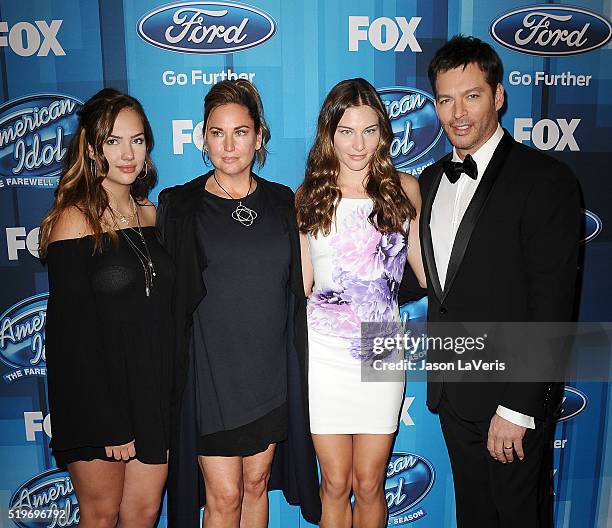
(71, 223)
(410, 185)
(146, 211)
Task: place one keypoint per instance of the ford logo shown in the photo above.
(592, 225)
(34, 133)
(410, 477)
(48, 499)
(415, 125)
(206, 27)
(551, 30)
(573, 403)
(22, 333)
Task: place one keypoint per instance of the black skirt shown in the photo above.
(248, 439)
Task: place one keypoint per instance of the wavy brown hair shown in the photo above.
(319, 194)
(80, 184)
(243, 93)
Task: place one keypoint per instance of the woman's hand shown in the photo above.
(121, 452)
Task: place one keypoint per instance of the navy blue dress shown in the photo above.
(239, 328)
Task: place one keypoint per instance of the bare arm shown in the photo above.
(307, 271)
(70, 224)
(415, 259)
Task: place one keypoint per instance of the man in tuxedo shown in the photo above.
(500, 227)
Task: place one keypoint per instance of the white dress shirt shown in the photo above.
(449, 206)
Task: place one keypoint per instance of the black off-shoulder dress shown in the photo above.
(108, 348)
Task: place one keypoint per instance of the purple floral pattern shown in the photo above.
(366, 270)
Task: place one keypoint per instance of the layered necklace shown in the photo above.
(242, 213)
(143, 257)
(125, 220)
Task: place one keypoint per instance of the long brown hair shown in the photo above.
(243, 93)
(80, 184)
(319, 194)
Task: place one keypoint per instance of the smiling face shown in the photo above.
(231, 140)
(125, 149)
(467, 107)
(356, 138)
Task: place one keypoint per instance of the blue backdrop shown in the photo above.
(55, 55)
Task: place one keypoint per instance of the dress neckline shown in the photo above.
(91, 235)
(229, 200)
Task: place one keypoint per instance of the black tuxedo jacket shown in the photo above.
(294, 468)
(514, 259)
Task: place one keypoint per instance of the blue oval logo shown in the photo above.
(22, 333)
(574, 402)
(50, 499)
(592, 225)
(415, 125)
(206, 27)
(34, 133)
(410, 477)
(551, 30)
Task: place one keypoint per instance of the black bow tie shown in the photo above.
(454, 169)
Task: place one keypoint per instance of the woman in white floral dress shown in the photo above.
(357, 217)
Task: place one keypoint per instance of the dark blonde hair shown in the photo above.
(243, 93)
(80, 184)
(318, 196)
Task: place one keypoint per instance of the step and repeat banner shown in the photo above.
(55, 54)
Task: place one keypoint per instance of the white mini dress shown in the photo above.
(357, 272)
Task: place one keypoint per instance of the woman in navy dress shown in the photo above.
(240, 325)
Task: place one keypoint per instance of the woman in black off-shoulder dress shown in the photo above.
(108, 337)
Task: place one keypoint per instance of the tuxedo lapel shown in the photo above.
(428, 253)
(466, 227)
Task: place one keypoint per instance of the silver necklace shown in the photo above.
(242, 213)
(125, 220)
(145, 258)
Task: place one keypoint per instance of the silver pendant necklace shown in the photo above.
(125, 220)
(145, 258)
(242, 213)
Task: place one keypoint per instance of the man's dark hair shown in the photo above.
(459, 52)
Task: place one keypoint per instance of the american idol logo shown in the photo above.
(592, 225)
(410, 477)
(34, 133)
(551, 30)
(573, 403)
(206, 27)
(47, 500)
(22, 338)
(415, 125)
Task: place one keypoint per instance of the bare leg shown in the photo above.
(370, 455)
(256, 474)
(99, 486)
(224, 490)
(335, 454)
(142, 493)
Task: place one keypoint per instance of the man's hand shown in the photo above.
(504, 439)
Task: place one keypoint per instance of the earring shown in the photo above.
(146, 170)
(92, 166)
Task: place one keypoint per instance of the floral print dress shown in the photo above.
(357, 272)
